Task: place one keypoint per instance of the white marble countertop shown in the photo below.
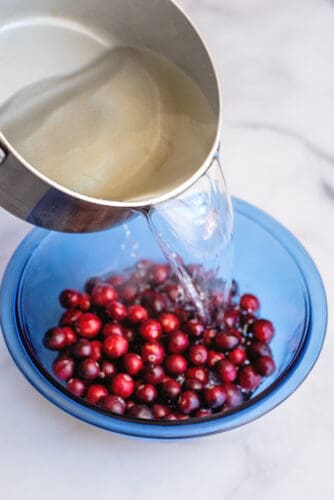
(276, 63)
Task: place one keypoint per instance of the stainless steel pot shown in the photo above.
(39, 38)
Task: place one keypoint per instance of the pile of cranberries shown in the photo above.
(135, 345)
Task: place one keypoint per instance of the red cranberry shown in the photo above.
(95, 393)
(76, 387)
(122, 385)
(200, 373)
(70, 299)
(88, 325)
(115, 346)
(226, 371)
(214, 396)
(70, 317)
(140, 411)
(171, 388)
(108, 370)
(133, 363)
(178, 342)
(89, 369)
(56, 339)
(231, 318)
(115, 404)
(153, 353)
(188, 402)
(91, 283)
(116, 310)
(154, 374)
(226, 341)
(204, 412)
(176, 364)
(150, 329)
(116, 280)
(209, 337)
(169, 322)
(158, 303)
(249, 303)
(96, 350)
(237, 356)
(82, 349)
(63, 368)
(194, 327)
(129, 334)
(214, 357)
(129, 404)
(175, 293)
(84, 303)
(249, 378)
(193, 384)
(265, 366)
(171, 416)
(113, 329)
(128, 292)
(137, 314)
(71, 336)
(160, 411)
(233, 394)
(103, 294)
(146, 393)
(257, 349)
(198, 355)
(159, 273)
(263, 330)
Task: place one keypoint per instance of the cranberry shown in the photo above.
(129, 334)
(231, 318)
(108, 370)
(129, 404)
(171, 416)
(115, 404)
(115, 346)
(169, 322)
(116, 310)
(175, 293)
(70, 317)
(226, 341)
(159, 273)
(265, 366)
(91, 283)
(116, 280)
(153, 353)
(70, 299)
(63, 368)
(113, 329)
(154, 374)
(209, 337)
(226, 371)
(160, 411)
(158, 303)
(76, 387)
(128, 292)
(257, 349)
(82, 349)
(237, 356)
(122, 385)
(178, 342)
(103, 294)
(88, 325)
(194, 327)
(263, 330)
(176, 364)
(95, 393)
(246, 320)
(204, 412)
(89, 369)
(84, 303)
(140, 411)
(171, 388)
(214, 357)
(56, 339)
(146, 393)
(188, 402)
(150, 329)
(71, 336)
(137, 314)
(249, 303)
(214, 396)
(193, 384)
(233, 394)
(133, 363)
(96, 350)
(249, 378)
(198, 355)
(200, 373)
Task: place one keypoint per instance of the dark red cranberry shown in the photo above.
(89, 369)
(248, 378)
(257, 349)
(188, 402)
(214, 357)
(71, 336)
(103, 294)
(129, 404)
(175, 293)
(226, 371)
(95, 393)
(214, 396)
(122, 385)
(226, 341)
(204, 412)
(128, 292)
(113, 329)
(63, 368)
(263, 330)
(137, 314)
(237, 356)
(96, 350)
(146, 393)
(84, 304)
(82, 349)
(158, 303)
(70, 317)
(193, 384)
(265, 366)
(70, 299)
(133, 363)
(171, 388)
(209, 337)
(233, 394)
(249, 303)
(154, 374)
(176, 364)
(194, 327)
(116, 280)
(129, 334)
(108, 370)
(88, 325)
(178, 342)
(150, 329)
(115, 404)
(116, 310)
(159, 273)
(115, 346)
(55, 339)
(169, 322)
(160, 411)
(231, 318)
(171, 416)
(140, 411)
(246, 320)
(153, 353)
(76, 387)
(91, 283)
(198, 355)
(197, 372)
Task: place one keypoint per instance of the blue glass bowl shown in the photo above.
(269, 262)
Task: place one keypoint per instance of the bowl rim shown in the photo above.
(298, 370)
